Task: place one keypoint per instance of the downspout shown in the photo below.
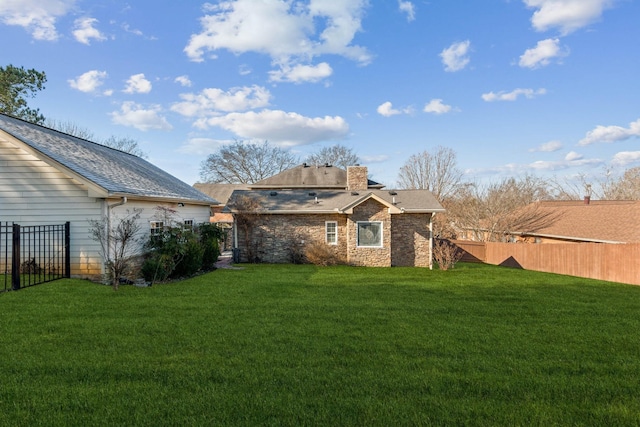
(235, 251)
(431, 241)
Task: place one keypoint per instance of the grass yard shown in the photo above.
(301, 345)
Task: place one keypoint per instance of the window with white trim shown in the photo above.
(331, 232)
(188, 224)
(156, 228)
(370, 234)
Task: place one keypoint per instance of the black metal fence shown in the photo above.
(33, 254)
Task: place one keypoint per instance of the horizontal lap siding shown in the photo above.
(34, 193)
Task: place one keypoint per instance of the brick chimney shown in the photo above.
(587, 200)
(357, 179)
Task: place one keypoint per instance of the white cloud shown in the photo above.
(513, 95)
(85, 31)
(202, 146)
(386, 109)
(301, 73)
(136, 116)
(138, 84)
(572, 156)
(408, 8)
(89, 81)
(435, 106)
(624, 158)
(611, 133)
(183, 81)
(567, 15)
(36, 16)
(542, 54)
(289, 32)
(548, 147)
(455, 57)
(213, 101)
(280, 127)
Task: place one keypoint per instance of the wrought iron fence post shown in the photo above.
(67, 249)
(15, 258)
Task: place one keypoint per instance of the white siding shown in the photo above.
(34, 193)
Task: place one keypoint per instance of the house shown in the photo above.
(221, 193)
(49, 177)
(577, 221)
(354, 217)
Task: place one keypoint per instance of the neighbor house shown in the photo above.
(224, 220)
(577, 221)
(353, 217)
(49, 177)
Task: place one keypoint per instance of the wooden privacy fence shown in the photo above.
(612, 262)
(33, 254)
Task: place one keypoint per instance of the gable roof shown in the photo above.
(615, 221)
(310, 177)
(334, 201)
(107, 171)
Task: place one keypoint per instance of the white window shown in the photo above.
(331, 228)
(370, 234)
(156, 228)
(188, 224)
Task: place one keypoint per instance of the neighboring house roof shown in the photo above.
(220, 192)
(310, 177)
(328, 201)
(107, 171)
(616, 221)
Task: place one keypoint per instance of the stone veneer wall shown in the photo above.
(370, 210)
(411, 236)
(357, 178)
(275, 236)
(405, 237)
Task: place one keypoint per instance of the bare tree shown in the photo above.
(574, 188)
(119, 243)
(246, 212)
(446, 254)
(436, 172)
(494, 211)
(336, 155)
(70, 128)
(126, 144)
(627, 187)
(245, 163)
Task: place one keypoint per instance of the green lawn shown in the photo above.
(301, 345)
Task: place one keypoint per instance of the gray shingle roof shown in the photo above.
(323, 201)
(220, 192)
(117, 172)
(309, 176)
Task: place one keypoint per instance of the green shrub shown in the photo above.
(210, 235)
(191, 260)
(157, 268)
(179, 252)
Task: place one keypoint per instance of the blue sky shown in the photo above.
(548, 87)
